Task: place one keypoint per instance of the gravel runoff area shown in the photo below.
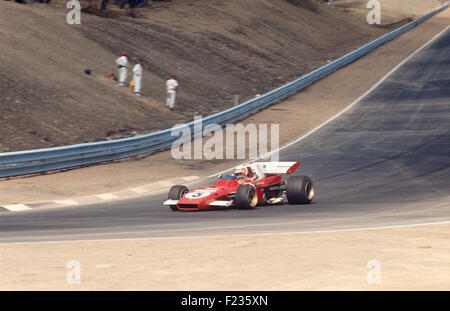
(408, 258)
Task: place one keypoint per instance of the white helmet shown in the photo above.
(240, 171)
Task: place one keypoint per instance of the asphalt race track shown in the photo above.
(385, 162)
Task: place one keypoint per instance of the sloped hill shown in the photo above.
(216, 48)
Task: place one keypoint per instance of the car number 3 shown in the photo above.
(197, 194)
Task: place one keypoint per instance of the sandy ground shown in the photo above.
(409, 258)
(296, 116)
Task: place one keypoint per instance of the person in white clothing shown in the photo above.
(171, 86)
(137, 76)
(122, 63)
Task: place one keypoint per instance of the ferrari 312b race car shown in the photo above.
(249, 185)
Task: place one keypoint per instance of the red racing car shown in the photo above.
(250, 185)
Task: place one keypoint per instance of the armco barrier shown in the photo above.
(41, 160)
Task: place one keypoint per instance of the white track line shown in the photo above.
(189, 178)
(165, 183)
(16, 207)
(106, 196)
(138, 190)
(238, 235)
(346, 108)
(66, 202)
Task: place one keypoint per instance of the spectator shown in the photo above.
(171, 86)
(122, 63)
(137, 77)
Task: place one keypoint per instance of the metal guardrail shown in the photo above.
(42, 160)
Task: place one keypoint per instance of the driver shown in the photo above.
(240, 171)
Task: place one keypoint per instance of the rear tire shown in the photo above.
(300, 190)
(175, 193)
(246, 197)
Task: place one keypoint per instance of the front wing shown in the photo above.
(214, 203)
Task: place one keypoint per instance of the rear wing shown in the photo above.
(271, 168)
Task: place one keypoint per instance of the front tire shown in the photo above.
(175, 193)
(246, 197)
(300, 190)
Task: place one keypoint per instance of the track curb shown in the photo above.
(129, 193)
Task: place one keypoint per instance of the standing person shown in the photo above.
(171, 86)
(137, 76)
(122, 62)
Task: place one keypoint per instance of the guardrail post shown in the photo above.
(236, 100)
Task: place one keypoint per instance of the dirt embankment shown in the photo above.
(216, 48)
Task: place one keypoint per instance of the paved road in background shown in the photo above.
(385, 162)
